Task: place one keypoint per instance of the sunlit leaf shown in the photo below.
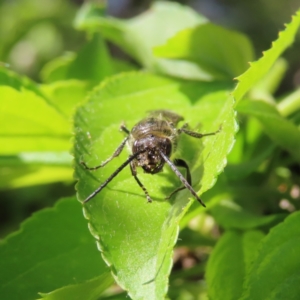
(290, 103)
(160, 22)
(137, 238)
(66, 95)
(31, 168)
(259, 68)
(221, 53)
(28, 123)
(88, 290)
(20, 176)
(28, 120)
(19, 83)
(269, 83)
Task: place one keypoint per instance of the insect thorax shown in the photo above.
(154, 127)
(152, 136)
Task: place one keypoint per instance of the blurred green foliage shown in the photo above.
(34, 32)
(62, 88)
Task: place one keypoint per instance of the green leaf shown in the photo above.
(21, 176)
(259, 68)
(57, 69)
(66, 95)
(137, 238)
(280, 130)
(88, 290)
(162, 21)
(37, 158)
(92, 61)
(193, 239)
(52, 249)
(229, 263)
(88, 11)
(219, 52)
(278, 256)
(243, 169)
(123, 66)
(22, 26)
(31, 168)
(232, 216)
(268, 84)
(290, 103)
(28, 121)
(15, 81)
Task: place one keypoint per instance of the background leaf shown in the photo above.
(277, 255)
(259, 189)
(259, 68)
(265, 88)
(96, 52)
(238, 248)
(66, 95)
(219, 52)
(25, 129)
(290, 103)
(287, 135)
(27, 175)
(89, 290)
(52, 249)
(232, 216)
(32, 168)
(57, 68)
(13, 80)
(165, 18)
(28, 121)
(137, 238)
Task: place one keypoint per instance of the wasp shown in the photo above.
(151, 143)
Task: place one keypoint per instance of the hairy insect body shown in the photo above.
(152, 142)
(150, 136)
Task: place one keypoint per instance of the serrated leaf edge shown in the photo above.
(266, 53)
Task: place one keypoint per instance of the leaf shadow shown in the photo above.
(195, 91)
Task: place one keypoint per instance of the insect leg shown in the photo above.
(183, 164)
(124, 128)
(196, 134)
(114, 174)
(134, 174)
(180, 176)
(115, 154)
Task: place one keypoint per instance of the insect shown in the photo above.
(151, 142)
